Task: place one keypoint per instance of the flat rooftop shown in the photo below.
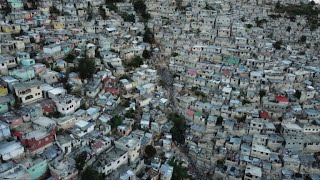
(110, 156)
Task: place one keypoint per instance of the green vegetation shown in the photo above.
(115, 121)
(302, 39)
(102, 12)
(259, 23)
(297, 94)
(92, 174)
(128, 17)
(241, 119)
(70, 58)
(111, 5)
(146, 54)
(86, 68)
(141, 9)
(245, 101)
(179, 172)
(219, 121)
(130, 114)
(174, 54)
(136, 62)
(162, 83)
(179, 4)
(179, 128)
(262, 93)
(54, 10)
(249, 26)
(277, 45)
(148, 36)
(197, 92)
(308, 10)
(81, 160)
(288, 29)
(150, 151)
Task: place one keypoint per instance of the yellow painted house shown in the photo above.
(3, 89)
(12, 28)
(6, 28)
(58, 25)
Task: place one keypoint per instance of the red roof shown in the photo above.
(113, 91)
(17, 133)
(226, 72)
(282, 99)
(28, 19)
(190, 112)
(264, 115)
(192, 71)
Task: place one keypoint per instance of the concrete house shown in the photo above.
(28, 91)
(63, 168)
(6, 103)
(130, 145)
(93, 88)
(67, 104)
(10, 150)
(111, 160)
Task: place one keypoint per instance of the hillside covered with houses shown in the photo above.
(159, 89)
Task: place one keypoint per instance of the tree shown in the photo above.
(54, 10)
(241, 119)
(102, 12)
(179, 4)
(259, 23)
(146, 54)
(288, 29)
(179, 128)
(81, 160)
(115, 121)
(174, 54)
(162, 83)
(277, 44)
(249, 26)
(179, 172)
(141, 9)
(130, 113)
(312, 3)
(297, 94)
(86, 68)
(262, 93)
(137, 61)
(278, 5)
(92, 174)
(150, 151)
(139, 6)
(111, 6)
(303, 39)
(245, 101)
(219, 121)
(70, 58)
(148, 36)
(128, 17)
